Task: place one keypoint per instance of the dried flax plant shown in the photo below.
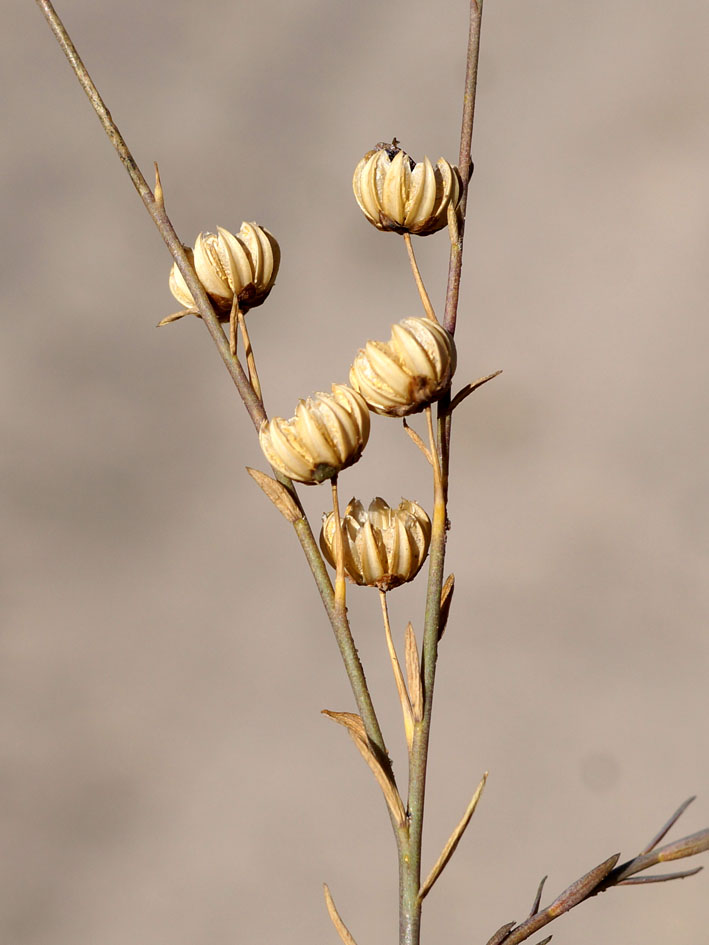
(219, 280)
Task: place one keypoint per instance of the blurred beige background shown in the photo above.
(166, 776)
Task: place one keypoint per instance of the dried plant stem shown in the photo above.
(464, 163)
(156, 209)
(428, 308)
(410, 903)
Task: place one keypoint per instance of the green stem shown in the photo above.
(410, 855)
(410, 914)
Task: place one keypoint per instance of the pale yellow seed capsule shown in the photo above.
(244, 265)
(395, 193)
(383, 547)
(327, 434)
(410, 371)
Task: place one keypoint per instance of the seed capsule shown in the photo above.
(244, 265)
(396, 193)
(383, 547)
(327, 434)
(410, 371)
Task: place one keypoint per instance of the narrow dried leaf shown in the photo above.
(660, 835)
(501, 934)
(158, 192)
(413, 674)
(342, 929)
(469, 388)
(659, 878)
(579, 890)
(446, 600)
(687, 846)
(352, 722)
(453, 841)
(545, 941)
(419, 442)
(354, 725)
(538, 898)
(277, 493)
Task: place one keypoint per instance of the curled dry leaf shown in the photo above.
(355, 726)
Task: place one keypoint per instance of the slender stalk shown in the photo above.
(250, 360)
(401, 689)
(428, 308)
(340, 586)
(410, 903)
(464, 162)
(155, 207)
(410, 914)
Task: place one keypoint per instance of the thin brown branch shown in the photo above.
(572, 896)
(464, 163)
(608, 874)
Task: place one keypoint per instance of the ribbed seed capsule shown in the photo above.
(327, 434)
(396, 193)
(410, 371)
(383, 547)
(244, 265)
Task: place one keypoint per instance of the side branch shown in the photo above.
(156, 210)
(606, 875)
(154, 204)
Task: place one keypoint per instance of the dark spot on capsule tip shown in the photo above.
(392, 150)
